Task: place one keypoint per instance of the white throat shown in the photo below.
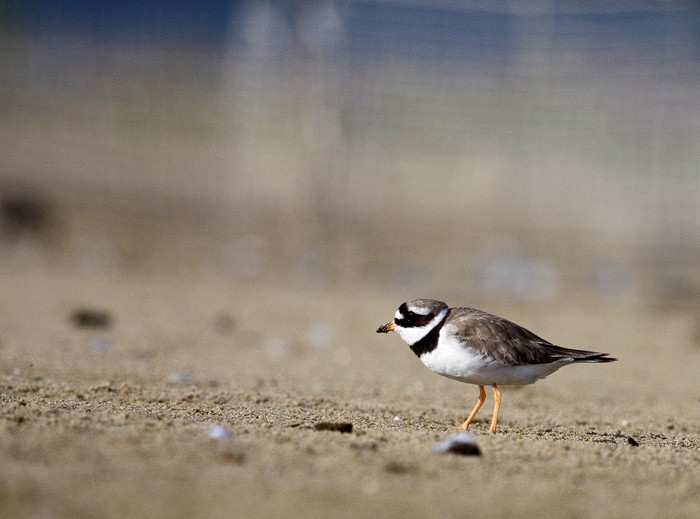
(415, 333)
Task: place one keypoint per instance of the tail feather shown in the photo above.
(595, 357)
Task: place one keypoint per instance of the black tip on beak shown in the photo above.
(386, 328)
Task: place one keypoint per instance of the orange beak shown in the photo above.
(386, 328)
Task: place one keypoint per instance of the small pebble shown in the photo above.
(461, 443)
(365, 446)
(632, 441)
(343, 427)
(24, 213)
(224, 324)
(236, 458)
(90, 318)
(397, 468)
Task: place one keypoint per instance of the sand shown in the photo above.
(200, 398)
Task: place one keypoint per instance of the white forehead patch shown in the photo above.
(398, 315)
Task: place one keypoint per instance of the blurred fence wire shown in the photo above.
(532, 148)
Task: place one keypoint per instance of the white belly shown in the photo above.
(453, 360)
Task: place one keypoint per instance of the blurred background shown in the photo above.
(524, 152)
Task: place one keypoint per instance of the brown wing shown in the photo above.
(509, 343)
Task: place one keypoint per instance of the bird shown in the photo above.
(476, 347)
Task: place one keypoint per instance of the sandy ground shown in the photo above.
(122, 421)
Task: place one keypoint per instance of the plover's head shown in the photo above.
(414, 319)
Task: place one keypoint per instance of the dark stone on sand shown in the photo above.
(23, 213)
(632, 441)
(224, 324)
(398, 468)
(343, 427)
(90, 318)
(461, 443)
(235, 458)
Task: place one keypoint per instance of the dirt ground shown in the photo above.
(199, 398)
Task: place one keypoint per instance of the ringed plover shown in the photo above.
(475, 347)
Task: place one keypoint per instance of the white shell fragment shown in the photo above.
(181, 377)
(217, 432)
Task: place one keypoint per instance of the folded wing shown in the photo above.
(511, 344)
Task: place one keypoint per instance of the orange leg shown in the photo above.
(496, 407)
(479, 403)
